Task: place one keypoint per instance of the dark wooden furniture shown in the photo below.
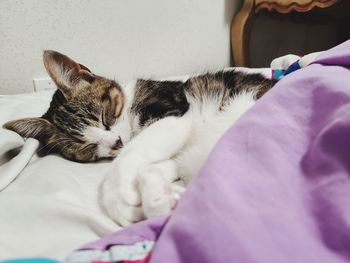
(242, 22)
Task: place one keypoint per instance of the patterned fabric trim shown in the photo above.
(137, 253)
(30, 260)
(277, 74)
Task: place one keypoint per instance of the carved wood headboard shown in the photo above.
(243, 20)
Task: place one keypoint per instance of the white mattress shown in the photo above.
(52, 206)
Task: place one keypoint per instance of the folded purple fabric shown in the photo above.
(276, 188)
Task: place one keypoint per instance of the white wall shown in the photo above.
(121, 39)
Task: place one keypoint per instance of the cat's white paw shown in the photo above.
(122, 202)
(159, 203)
(157, 196)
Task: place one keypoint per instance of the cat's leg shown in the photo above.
(154, 183)
(159, 142)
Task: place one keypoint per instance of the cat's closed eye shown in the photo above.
(107, 120)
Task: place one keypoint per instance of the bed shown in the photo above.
(51, 204)
(275, 188)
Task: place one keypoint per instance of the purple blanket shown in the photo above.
(276, 188)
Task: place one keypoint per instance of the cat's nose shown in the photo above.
(118, 144)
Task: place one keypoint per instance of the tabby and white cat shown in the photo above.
(160, 130)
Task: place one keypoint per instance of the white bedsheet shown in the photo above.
(48, 205)
(51, 208)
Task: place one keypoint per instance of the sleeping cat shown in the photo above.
(161, 131)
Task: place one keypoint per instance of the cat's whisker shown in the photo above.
(53, 146)
(56, 143)
(65, 147)
(58, 140)
(41, 148)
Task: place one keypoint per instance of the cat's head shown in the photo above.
(85, 121)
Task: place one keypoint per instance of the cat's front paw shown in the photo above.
(121, 202)
(157, 194)
(158, 203)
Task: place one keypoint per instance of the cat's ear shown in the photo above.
(65, 72)
(37, 128)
